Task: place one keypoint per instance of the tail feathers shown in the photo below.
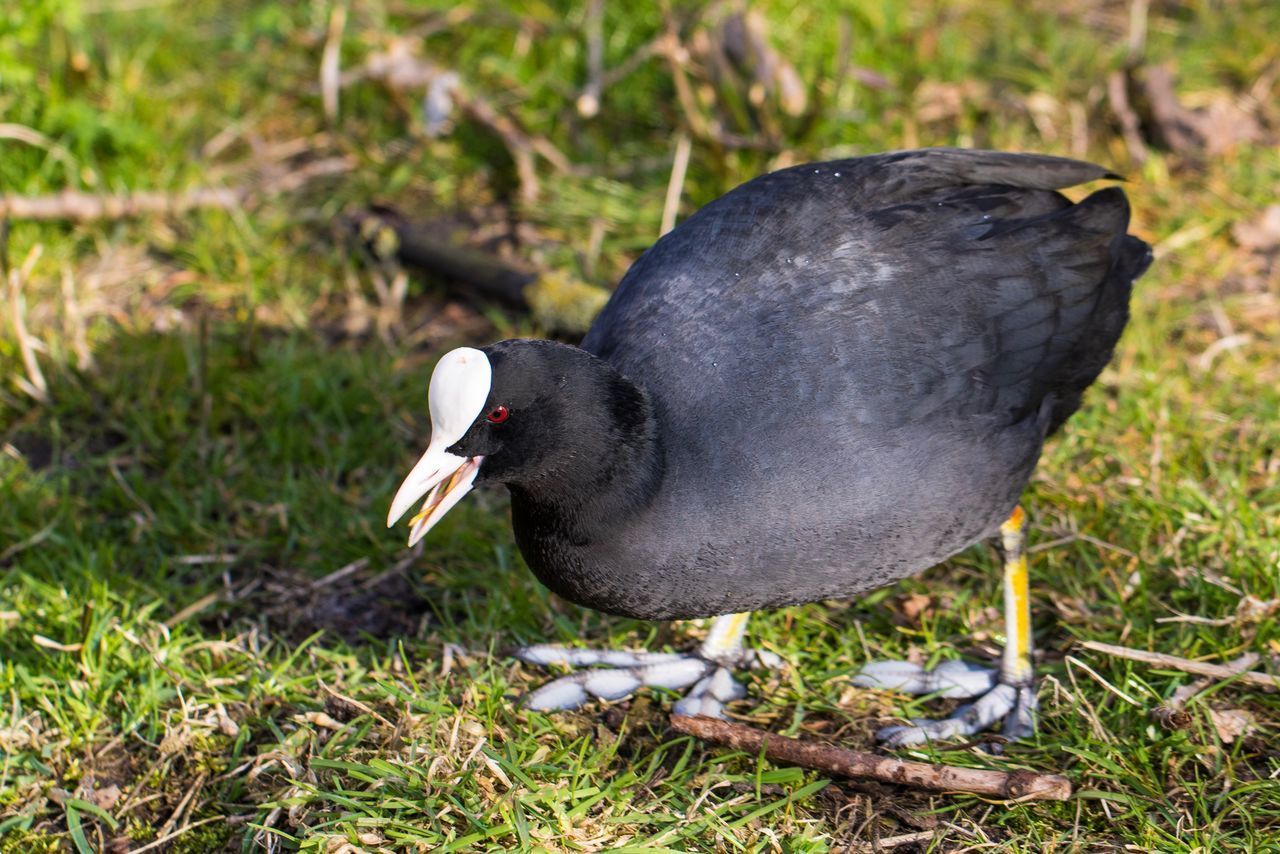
(1130, 258)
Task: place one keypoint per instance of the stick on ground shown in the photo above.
(1238, 670)
(1010, 785)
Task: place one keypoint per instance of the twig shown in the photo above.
(202, 560)
(330, 62)
(589, 101)
(624, 69)
(1235, 670)
(677, 60)
(30, 136)
(85, 207)
(194, 608)
(356, 565)
(181, 808)
(34, 540)
(1015, 785)
(1097, 677)
(1137, 41)
(1130, 124)
(675, 187)
(516, 140)
(356, 704)
(395, 569)
(709, 130)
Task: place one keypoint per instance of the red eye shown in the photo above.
(499, 414)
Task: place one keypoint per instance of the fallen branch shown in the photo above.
(1236, 670)
(1130, 124)
(87, 207)
(76, 206)
(1008, 785)
(429, 247)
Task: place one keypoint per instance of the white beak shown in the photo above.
(443, 478)
(459, 387)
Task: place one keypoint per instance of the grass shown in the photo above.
(206, 631)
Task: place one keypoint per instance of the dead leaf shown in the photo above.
(915, 605)
(106, 797)
(320, 719)
(1171, 717)
(219, 718)
(1261, 234)
(1231, 723)
(176, 740)
(1218, 125)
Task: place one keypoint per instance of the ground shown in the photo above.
(207, 638)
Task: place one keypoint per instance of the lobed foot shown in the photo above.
(994, 699)
(620, 674)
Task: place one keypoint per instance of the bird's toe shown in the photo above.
(628, 672)
(709, 695)
(952, 679)
(711, 684)
(1020, 722)
(545, 654)
(1002, 701)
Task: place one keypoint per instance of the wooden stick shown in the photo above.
(424, 245)
(513, 137)
(76, 206)
(1237, 670)
(588, 103)
(331, 62)
(1130, 124)
(86, 207)
(675, 187)
(1009, 785)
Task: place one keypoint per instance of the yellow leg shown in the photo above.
(725, 637)
(1016, 666)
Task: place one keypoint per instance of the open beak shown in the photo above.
(443, 478)
(459, 387)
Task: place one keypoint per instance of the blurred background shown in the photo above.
(234, 237)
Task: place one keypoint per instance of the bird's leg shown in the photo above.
(1008, 693)
(708, 671)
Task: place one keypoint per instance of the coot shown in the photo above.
(834, 376)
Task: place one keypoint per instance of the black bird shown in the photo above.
(834, 376)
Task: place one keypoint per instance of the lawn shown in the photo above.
(209, 641)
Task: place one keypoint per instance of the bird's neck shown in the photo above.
(601, 477)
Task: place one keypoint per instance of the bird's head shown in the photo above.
(523, 412)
